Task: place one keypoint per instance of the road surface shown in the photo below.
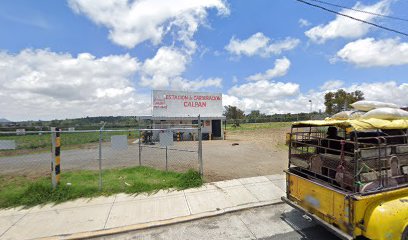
(276, 222)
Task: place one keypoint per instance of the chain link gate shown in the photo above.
(175, 149)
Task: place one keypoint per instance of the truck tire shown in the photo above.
(405, 234)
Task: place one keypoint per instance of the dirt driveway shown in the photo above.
(260, 152)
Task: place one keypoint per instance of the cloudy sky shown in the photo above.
(76, 58)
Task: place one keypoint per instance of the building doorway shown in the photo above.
(216, 128)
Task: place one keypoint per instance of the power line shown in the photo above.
(356, 19)
(362, 11)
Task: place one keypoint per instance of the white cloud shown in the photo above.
(265, 90)
(333, 84)
(40, 84)
(343, 27)
(231, 100)
(246, 104)
(389, 91)
(133, 22)
(259, 44)
(295, 104)
(369, 52)
(304, 23)
(255, 95)
(280, 69)
(165, 69)
(167, 64)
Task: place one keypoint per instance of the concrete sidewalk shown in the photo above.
(107, 215)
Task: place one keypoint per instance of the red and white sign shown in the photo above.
(186, 104)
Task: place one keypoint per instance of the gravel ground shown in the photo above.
(260, 152)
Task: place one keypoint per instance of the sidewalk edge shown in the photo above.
(160, 223)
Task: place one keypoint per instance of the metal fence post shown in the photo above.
(200, 147)
(100, 156)
(140, 149)
(53, 147)
(166, 160)
(100, 159)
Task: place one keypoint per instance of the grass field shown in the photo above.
(21, 191)
(256, 126)
(39, 141)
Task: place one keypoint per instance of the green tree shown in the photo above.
(233, 113)
(340, 100)
(255, 114)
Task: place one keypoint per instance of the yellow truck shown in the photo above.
(351, 176)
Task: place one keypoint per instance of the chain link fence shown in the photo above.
(25, 153)
(29, 154)
(177, 149)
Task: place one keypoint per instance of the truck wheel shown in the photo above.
(405, 234)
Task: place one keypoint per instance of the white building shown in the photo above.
(181, 108)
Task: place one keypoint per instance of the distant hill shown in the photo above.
(3, 120)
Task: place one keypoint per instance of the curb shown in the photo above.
(160, 223)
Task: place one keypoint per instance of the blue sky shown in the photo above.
(78, 58)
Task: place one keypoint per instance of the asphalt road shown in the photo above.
(279, 222)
